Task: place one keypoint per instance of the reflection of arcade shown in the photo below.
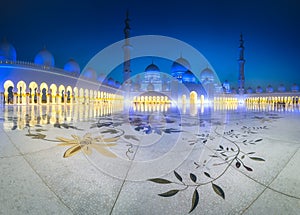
(151, 100)
(150, 107)
(273, 107)
(54, 114)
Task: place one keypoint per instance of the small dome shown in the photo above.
(207, 76)
(281, 88)
(259, 89)
(295, 88)
(111, 82)
(7, 51)
(249, 90)
(152, 68)
(44, 57)
(72, 66)
(269, 89)
(118, 84)
(101, 77)
(90, 73)
(188, 77)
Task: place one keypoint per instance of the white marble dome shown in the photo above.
(269, 89)
(7, 51)
(101, 77)
(180, 65)
(249, 90)
(295, 88)
(152, 72)
(111, 82)
(90, 73)
(72, 66)
(152, 68)
(281, 88)
(259, 89)
(45, 58)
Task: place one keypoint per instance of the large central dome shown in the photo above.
(152, 68)
(181, 64)
(152, 73)
(179, 67)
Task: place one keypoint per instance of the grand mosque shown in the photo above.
(41, 82)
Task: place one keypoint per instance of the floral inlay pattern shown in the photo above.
(87, 143)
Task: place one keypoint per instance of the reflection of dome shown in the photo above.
(281, 88)
(44, 57)
(152, 68)
(7, 51)
(259, 89)
(72, 66)
(90, 73)
(249, 90)
(188, 77)
(207, 76)
(295, 88)
(269, 89)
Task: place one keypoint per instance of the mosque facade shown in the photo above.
(41, 82)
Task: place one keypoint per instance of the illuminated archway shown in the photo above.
(183, 99)
(44, 98)
(193, 97)
(61, 94)
(33, 87)
(8, 91)
(21, 85)
(53, 91)
(76, 95)
(69, 94)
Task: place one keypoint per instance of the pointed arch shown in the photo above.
(8, 92)
(53, 91)
(43, 93)
(21, 87)
(69, 94)
(33, 87)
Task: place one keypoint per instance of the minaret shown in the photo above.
(241, 60)
(126, 48)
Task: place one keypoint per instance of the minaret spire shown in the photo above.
(127, 27)
(241, 61)
(126, 49)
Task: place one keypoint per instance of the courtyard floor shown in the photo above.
(159, 160)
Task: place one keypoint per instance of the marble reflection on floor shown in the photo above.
(160, 154)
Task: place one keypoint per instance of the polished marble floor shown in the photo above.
(156, 159)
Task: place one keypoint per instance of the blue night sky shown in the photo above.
(80, 29)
